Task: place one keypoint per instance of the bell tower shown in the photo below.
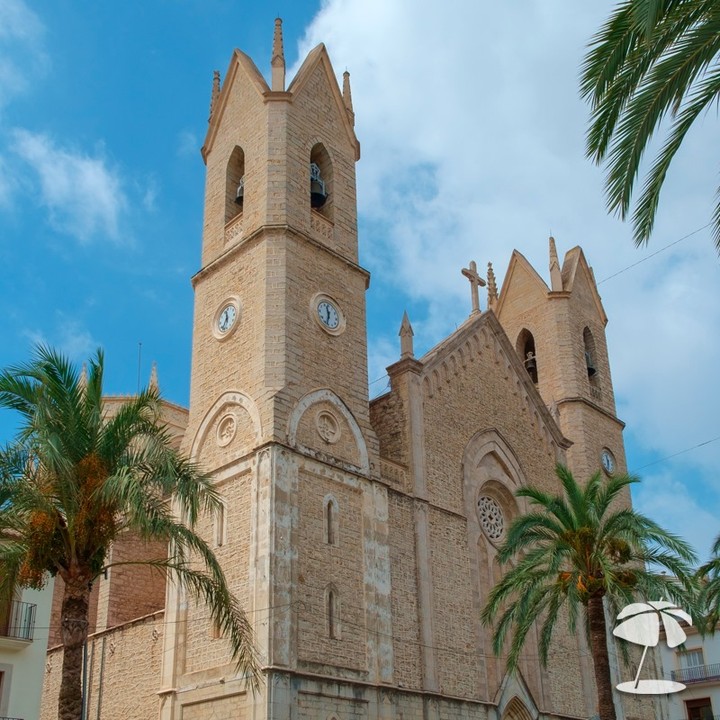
(279, 411)
(559, 333)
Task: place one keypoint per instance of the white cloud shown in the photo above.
(83, 195)
(187, 143)
(150, 194)
(6, 183)
(68, 336)
(664, 498)
(472, 134)
(21, 35)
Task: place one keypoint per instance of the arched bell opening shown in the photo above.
(590, 356)
(526, 349)
(321, 181)
(235, 184)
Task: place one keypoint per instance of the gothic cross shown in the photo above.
(475, 282)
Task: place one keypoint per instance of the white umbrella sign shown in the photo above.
(641, 626)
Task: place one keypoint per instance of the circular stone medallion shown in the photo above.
(492, 520)
(226, 430)
(327, 426)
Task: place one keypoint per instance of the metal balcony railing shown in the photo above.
(704, 717)
(699, 673)
(9, 718)
(19, 622)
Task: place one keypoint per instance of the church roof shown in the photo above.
(445, 352)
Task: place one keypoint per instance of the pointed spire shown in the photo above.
(154, 384)
(215, 93)
(492, 287)
(277, 62)
(555, 274)
(347, 97)
(83, 379)
(406, 338)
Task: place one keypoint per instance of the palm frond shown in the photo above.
(650, 60)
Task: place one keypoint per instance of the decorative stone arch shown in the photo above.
(516, 710)
(325, 395)
(484, 443)
(515, 701)
(222, 404)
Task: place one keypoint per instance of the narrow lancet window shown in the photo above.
(331, 521)
(590, 362)
(235, 185)
(332, 605)
(220, 526)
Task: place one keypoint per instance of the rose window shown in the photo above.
(492, 520)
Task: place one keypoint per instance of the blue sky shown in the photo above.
(472, 139)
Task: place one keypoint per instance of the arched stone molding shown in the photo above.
(488, 442)
(491, 475)
(515, 702)
(221, 408)
(326, 397)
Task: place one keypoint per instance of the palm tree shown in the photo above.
(651, 59)
(74, 479)
(709, 577)
(581, 552)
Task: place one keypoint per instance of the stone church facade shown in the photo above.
(361, 536)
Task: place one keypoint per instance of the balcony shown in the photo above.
(697, 674)
(16, 630)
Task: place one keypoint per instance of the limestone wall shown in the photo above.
(123, 672)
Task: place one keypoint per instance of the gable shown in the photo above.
(242, 70)
(579, 280)
(483, 335)
(316, 78)
(521, 282)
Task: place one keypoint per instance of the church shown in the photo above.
(360, 536)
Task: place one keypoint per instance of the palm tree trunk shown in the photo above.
(74, 629)
(601, 660)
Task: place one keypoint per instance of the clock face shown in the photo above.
(608, 461)
(328, 314)
(227, 318)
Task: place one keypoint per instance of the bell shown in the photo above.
(318, 194)
(240, 195)
(589, 363)
(530, 363)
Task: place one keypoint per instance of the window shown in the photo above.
(700, 709)
(691, 658)
(526, 349)
(692, 666)
(220, 526)
(235, 184)
(321, 181)
(332, 609)
(331, 521)
(590, 356)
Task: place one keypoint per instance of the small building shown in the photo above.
(23, 643)
(696, 664)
